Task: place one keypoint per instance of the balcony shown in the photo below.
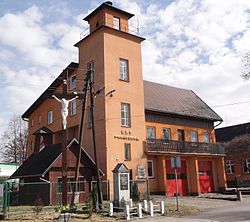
(157, 146)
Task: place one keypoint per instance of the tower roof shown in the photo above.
(108, 5)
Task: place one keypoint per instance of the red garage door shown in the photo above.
(205, 176)
(181, 181)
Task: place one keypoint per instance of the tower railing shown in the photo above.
(131, 29)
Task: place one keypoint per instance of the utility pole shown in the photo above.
(78, 160)
(92, 97)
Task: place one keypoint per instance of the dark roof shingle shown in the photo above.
(172, 100)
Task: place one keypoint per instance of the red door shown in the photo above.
(205, 176)
(181, 181)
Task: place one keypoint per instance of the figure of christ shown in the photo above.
(64, 109)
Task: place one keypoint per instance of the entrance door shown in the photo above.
(205, 176)
(181, 181)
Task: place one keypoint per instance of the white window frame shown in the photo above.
(73, 108)
(206, 137)
(150, 134)
(127, 150)
(152, 169)
(124, 74)
(125, 115)
(247, 164)
(116, 23)
(50, 117)
(73, 82)
(230, 167)
(194, 136)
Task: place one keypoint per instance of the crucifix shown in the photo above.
(65, 100)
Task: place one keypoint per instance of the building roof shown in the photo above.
(226, 134)
(49, 91)
(44, 160)
(109, 5)
(176, 101)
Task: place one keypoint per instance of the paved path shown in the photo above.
(216, 208)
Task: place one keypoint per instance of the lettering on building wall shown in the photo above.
(126, 135)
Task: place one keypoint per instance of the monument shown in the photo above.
(121, 185)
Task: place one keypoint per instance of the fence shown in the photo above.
(24, 200)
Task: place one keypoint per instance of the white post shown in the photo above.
(127, 215)
(111, 209)
(151, 209)
(130, 203)
(145, 205)
(162, 207)
(139, 210)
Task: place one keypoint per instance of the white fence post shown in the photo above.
(162, 209)
(130, 203)
(139, 210)
(151, 209)
(145, 205)
(127, 213)
(111, 209)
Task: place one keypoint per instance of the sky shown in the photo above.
(192, 44)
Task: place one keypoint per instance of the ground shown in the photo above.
(211, 207)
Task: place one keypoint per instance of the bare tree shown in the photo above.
(238, 148)
(14, 141)
(246, 66)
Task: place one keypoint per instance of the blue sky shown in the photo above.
(193, 44)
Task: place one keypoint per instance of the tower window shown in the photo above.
(124, 70)
(125, 115)
(127, 150)
(91, 67)
(116, 23)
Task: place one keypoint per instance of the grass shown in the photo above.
(50, 213)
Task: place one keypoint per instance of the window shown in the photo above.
(246, 166)
(230, 167)
(151, 134)
(91, 67)
(39, 119)
(116, 23)
(150, 169)
(73, 82)
(206, 138)
(166, 136)
(127, 150)
(124, 70)
(125, 115)
(50, 117)
(194, 136)
(73, 108)
(89, 118)
(32, 122)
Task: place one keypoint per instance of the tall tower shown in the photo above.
(115, 55)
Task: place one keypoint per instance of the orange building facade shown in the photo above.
(138, 123)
